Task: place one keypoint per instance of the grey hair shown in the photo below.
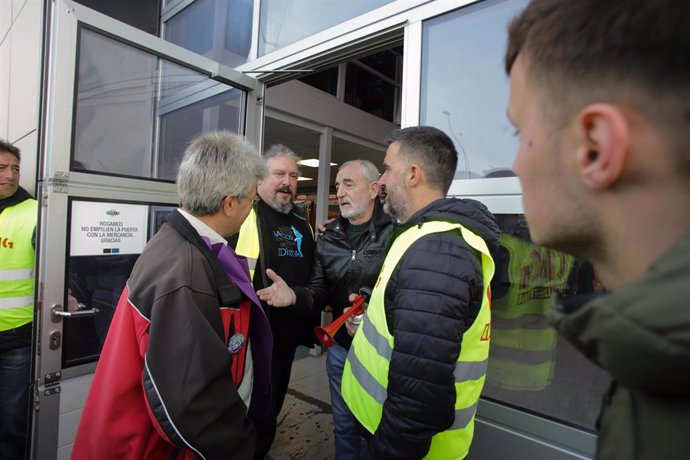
(279, 150)
(432, 149)
(5, 146)
(217, 164)
(369, 170)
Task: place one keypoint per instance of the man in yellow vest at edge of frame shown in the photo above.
(18, 214)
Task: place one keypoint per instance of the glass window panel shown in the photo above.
(385, 62)
(287, 21)
(142, 14)
(125, 95)
(96, 280)
(223, 111)
(179, 81)
(464, 86)
(325, 80)
(369, 92)
(218, 29)
(530, 366)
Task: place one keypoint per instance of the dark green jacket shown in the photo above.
(640, 334)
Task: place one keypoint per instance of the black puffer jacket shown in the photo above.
(433, 296)
(340, 270)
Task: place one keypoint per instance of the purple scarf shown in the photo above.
(260, 335)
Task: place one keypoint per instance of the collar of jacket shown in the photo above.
(227, 292)
(471, 214)
(19, 196)
(379, 220)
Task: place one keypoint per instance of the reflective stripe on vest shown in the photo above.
(365, 377)
(17, 225)
(248, 242)
(523, 344)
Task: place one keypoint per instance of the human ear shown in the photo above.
(414, 175)
(229, 205)
(373, 190)
(603, 147)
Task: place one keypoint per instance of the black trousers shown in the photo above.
(284, 347)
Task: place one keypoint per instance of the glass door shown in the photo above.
(119, 107)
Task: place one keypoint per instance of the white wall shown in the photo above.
(20, 66)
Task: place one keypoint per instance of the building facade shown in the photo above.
(103, 96)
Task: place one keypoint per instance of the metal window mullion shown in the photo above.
(199, 93)
(324, 175)
(375, 72)
(340, 83)
(174, 8)
(412, 75)
(397, 102)
(156, 117)
(256, 24)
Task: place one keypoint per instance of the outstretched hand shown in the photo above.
(277, 294)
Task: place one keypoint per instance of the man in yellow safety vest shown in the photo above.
(418, 361)
(18, 213)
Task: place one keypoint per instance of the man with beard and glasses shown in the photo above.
(418, 361)
(349, 254)
(275, 236)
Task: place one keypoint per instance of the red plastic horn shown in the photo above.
(325, 334)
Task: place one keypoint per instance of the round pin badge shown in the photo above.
(236, 342)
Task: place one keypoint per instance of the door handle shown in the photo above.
(56, 312)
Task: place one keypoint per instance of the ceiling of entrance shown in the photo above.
(305, 142)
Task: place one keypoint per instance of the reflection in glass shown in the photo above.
(157, 218)
(325, 80)
(385, 62)
(530, 367)
(287, 21)
(464, 86)
(223, 111)
(123, 92)
(96, 281)
(142, 14)
(369, 92)
(218, 29)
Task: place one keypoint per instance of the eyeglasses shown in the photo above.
(254, 200)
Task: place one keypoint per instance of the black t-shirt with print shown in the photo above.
(287, 247)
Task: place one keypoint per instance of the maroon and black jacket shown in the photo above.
(163, 387)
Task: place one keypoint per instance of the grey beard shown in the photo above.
(281, 208)
(393, 211)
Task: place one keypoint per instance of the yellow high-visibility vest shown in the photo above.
(248, 242)
(523, 345)
(365, 377)
(18, 258)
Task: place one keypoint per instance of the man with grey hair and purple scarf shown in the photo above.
(185, 369)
